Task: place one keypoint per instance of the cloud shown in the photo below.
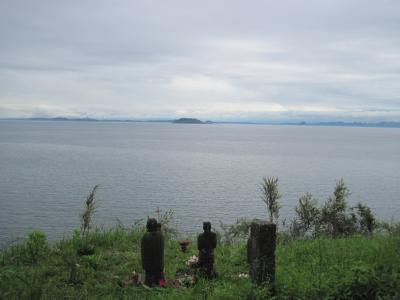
(210, 59)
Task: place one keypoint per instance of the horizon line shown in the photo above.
(385, 124)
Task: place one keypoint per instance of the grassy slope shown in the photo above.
(354, 267)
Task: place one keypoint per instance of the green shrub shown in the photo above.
(391, 227)
(236, 232)
(36, 246)
(308, 215)
(334, 218)
(270, 196)
(365, 219)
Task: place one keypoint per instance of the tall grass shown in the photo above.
(355, 267)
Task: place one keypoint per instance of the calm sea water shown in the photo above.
(201, 172)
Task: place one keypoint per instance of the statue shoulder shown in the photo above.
(159, 235)
(149, 236)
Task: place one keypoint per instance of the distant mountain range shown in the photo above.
(350, 124)
(197, 121)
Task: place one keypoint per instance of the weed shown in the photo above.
(90, 207)
(270, 196)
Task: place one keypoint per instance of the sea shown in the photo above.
(202, 172)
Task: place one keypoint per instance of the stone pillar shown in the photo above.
(249, 242)
(261, 251)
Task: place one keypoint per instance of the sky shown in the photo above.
(314, 60)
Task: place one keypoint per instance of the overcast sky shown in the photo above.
(220, 60)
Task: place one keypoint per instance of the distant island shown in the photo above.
(190, 121)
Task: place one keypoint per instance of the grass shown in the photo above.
(356, 267)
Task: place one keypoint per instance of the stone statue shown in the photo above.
(152, 250)
(206, 243)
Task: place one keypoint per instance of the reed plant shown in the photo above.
(87, 215)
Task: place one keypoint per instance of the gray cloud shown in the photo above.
(211, 59)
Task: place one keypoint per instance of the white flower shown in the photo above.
(243, 275)
(192, 260)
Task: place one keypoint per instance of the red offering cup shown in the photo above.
(184, 245)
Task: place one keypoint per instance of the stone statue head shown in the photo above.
(206, 226)
(151, 225)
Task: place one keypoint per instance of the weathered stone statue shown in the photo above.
(152, 250)
(206, 243)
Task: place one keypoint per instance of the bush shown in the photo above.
(36, 246)
(308, 214)
(390, 227)
(334, 218)
(238, 231)
(365, 219)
